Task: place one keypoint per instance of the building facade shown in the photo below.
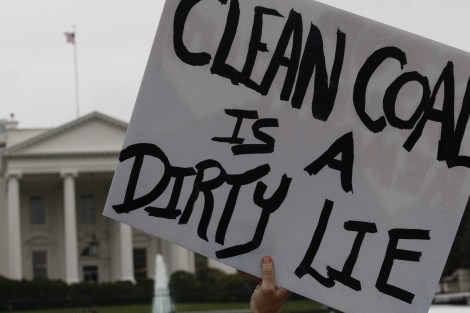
(53, 187)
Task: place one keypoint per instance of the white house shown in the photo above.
(53, 186)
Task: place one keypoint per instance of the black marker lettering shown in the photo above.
(219, 66)
(170, 212)
(138, 152)
(454, 159)
(268, 207)
(324, 94)
(344, 276)
(292, 28)
(181, 15)
(345, 146)
(305, 267)
(445, 117)
(390, 99)
(362, 80)
(256, 45)
(393, 253)
(267, 147)
(204, 187)
(240, 115)
(237, 181)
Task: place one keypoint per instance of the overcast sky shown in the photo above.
(113, 42)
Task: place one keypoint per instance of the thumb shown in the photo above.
(267, 272)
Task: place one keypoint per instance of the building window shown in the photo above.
(39, 264)
(200, 261)
(140, 263)
(37, 211)
(87, 209)
(90, 273)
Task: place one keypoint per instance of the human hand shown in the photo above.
(267, 297)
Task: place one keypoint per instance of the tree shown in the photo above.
(183, 287)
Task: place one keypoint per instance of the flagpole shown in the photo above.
(77, 99)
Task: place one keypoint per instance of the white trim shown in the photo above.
(15, 150)
(17, 174)
(69, 172)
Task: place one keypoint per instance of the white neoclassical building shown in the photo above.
(53, 186)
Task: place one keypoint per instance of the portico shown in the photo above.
(55, 186)
(48, 177)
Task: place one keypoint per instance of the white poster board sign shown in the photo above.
(333, 143)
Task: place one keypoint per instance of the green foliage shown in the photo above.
(207, 281)
(42, 294)
(235, 287)
(183, 287)
(210, 285)
(208, 276)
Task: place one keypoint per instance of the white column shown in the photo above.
(70, 228)
(179, 259)
(191, 262)
(126, 272)
(15, 266)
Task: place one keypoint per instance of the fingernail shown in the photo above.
(266, 260)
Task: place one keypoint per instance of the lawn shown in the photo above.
(299, 306)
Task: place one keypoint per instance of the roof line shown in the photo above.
(57, 130)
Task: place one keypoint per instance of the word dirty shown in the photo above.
(205, 187)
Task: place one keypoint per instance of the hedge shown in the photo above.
(207, 285)
(46, 294)
(210, 285)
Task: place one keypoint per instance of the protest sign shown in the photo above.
(331, 142)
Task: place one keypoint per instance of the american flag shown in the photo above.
(70, 37)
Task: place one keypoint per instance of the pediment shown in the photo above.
(94, 133)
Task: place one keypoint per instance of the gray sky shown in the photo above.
(114, 39)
